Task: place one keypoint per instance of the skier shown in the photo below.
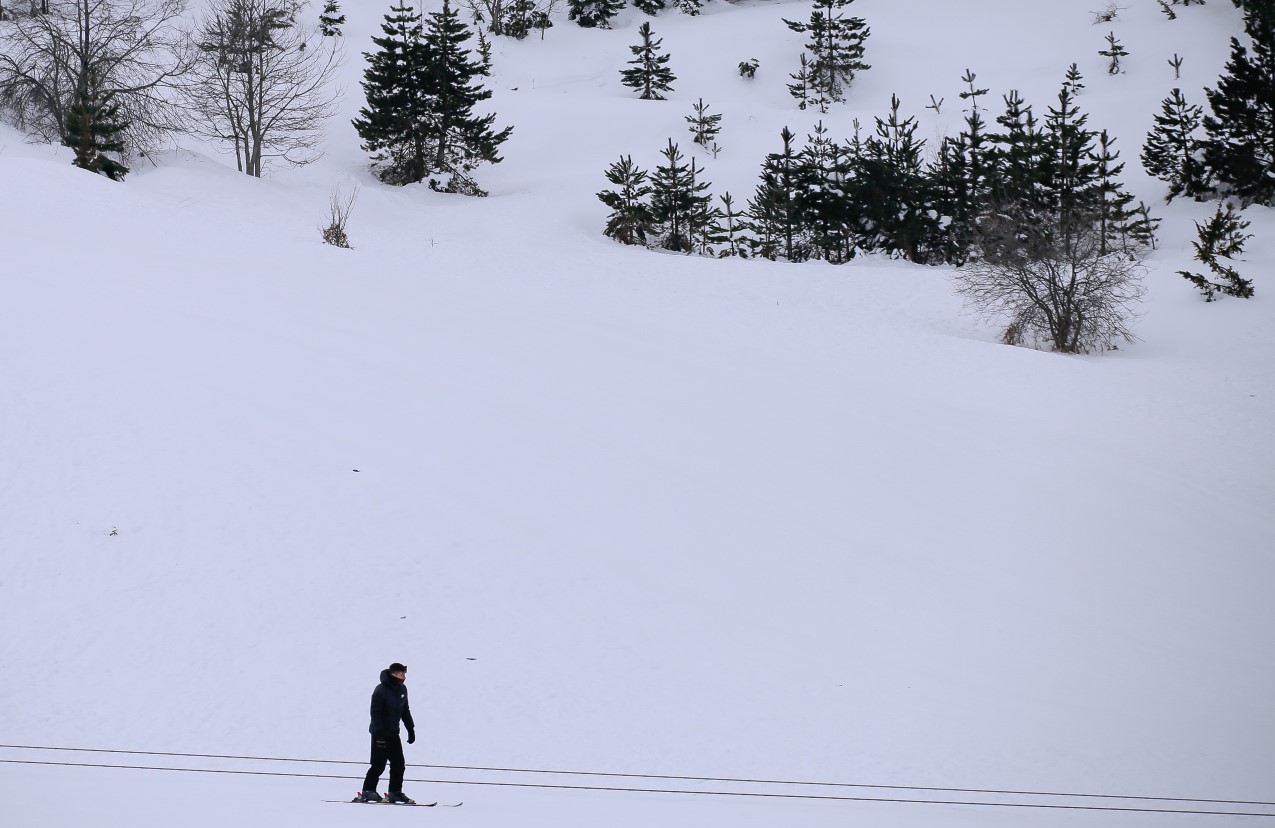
(389, 705)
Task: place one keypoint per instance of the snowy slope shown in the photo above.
(618, 510)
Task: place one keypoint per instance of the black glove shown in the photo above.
(411, 735)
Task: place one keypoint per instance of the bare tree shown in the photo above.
(130, 51)
(1057, 285)
(340, 207)
(263, 82)
(515, 18)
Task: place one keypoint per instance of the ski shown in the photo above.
(397, 804)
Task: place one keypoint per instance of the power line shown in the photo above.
(643, 790)
(736, 780)
(752, 794)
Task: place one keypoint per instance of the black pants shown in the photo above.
(386, 749)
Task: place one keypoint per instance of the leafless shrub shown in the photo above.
(1053, 284)
(340, 206)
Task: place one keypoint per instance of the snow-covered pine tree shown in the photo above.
(1239, 150)
(734, 227)
(961, 177)
(837, 46)
(1071, 170)
(691, 7)
(1221, 237)
(822, 201)
(1173, 152)
(650, 74)
(896, 216)
(672, 200)
(460, 140)
(1122, 225)
(1021, 174)
(593, 14)
(94, 128)
(703, 225)
(773, 210)
(630, 220)
(394, 123)
(331, 19)
(801, 87)
(1113, 53)
(704, 126)
(651, 7)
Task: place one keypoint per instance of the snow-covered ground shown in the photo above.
(622, 511)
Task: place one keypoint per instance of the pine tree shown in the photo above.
(1222, 237)
(1173, 153)
(93, 128)
(821, 197)
(331, 20)
(1121, 225)
(704, 127)
(650, 74)
(894, 202)
(630, 220)
(773, 208)
(460, 140)
(802, 87)
(395, 121)
(836, 44)
(961, 177)
(651, 7)
(1074, 80)
(673, 200)
(593, 14)
(691, 7)
(1240, 148)
(1071, 171)
(1021, 172)
(1113, 53)
(734, 227)
(703, 226)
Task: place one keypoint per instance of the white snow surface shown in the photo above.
(621, 511)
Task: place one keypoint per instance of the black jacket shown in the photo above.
(389, 704)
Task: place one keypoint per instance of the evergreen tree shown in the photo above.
(93, 128)
(1021, 174)
(734, 227)
(691, 7)
(836, 44)
(630, 220)
(892, 190)
(822, 201)
(1222, 237)
(1122, 226)
(1113, 53)
(703, 226)
(961, 177)
(673, 200)
(1071, 171)
(1074, 80)
(591, 14)
(704, 127)
(651, 7)
(331, 20)
(773, 208)
(1172, 152)
(650, 74)
(801, 87)
(1240, 148)
(395, 121)
(460, 140)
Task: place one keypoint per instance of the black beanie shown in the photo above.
(398, 668)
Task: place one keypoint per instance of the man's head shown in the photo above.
(398, 671)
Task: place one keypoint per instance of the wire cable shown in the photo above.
(754, 794)
(734, 780)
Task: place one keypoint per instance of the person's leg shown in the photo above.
(398, 764)
(380, 753)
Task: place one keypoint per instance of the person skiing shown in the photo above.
(389, 706)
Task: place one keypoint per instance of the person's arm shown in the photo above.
(407, 721)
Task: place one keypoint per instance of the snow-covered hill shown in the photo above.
(618, 510)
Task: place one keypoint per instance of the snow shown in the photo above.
(622, 511)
